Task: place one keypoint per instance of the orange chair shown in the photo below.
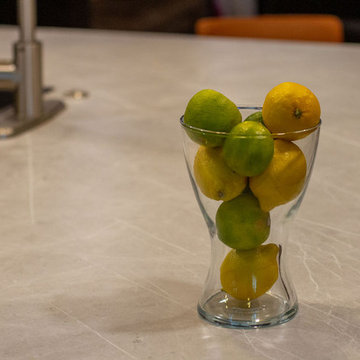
(286, 27)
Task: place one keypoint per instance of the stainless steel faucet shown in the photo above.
(24, 76)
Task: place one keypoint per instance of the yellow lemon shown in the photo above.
(283, 179)
(248, 274)
(214, 178)
(290, 107)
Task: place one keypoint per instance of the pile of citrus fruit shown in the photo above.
(252, 165)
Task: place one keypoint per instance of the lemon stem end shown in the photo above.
(297, 113)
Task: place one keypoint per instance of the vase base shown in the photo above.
(267, 310)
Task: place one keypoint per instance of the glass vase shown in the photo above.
(248, 285)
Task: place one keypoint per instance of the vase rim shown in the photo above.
(295, 134)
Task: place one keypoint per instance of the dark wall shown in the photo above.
(342, 8)
(144, 15)
(66, 13)
(7, 12)
(347, 10)
(148, 15)
(169, 15)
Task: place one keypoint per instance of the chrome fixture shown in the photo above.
(24, 77)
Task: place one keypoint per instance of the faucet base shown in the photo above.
(10, 125)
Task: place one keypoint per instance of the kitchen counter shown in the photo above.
(104, 251)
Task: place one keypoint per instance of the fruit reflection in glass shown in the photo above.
(249, 183)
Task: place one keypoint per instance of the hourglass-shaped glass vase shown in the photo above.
(249, 218)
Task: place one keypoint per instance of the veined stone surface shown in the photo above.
(103, 248)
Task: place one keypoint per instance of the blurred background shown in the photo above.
(177, 16)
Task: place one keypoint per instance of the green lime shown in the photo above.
(241, 224)
(210, 110)
(214, 178)
(256, 116)
(249, 148)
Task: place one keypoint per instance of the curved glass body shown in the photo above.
(248, 219)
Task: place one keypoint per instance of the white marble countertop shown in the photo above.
(103, 248)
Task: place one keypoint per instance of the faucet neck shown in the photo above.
(27, 19)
